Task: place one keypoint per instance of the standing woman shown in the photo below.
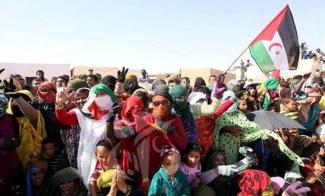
(70, 136)
(92, 119)
(9, 163)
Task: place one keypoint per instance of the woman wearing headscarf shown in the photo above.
(230, 143)
(92, 119)
(182, 108)
(66, 182)
(78, 94)
(150, 133)
(199, 82)
(37, 178)
(255, 182)
(310, 121)
(206, 113)
(9, 140)
(127, 129)
(45, 102)
(31, 126)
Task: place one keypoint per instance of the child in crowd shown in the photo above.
(220, 158)
(320, 131)
(242, 106)
(52, 154)
(104, 163)
(191, 166)
(169, 180)
(289, 108)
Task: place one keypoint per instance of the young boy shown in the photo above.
(52, 154)
(289, 108)
(104, 162)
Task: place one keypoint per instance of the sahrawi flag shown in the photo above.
(277, 46)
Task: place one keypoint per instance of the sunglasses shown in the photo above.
(164, 103)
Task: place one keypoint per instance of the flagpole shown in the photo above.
(241, 54)
(287, 6)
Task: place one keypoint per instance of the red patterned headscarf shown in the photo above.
(130, 102)
(253, 182)
(46, 91)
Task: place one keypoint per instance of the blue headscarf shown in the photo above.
(29, 180)
(3, 104)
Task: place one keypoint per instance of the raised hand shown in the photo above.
(115, 109)
(165, 126)
(296, 189)
(61, 97)
(9, 86)
(121, 74)
(227, 170)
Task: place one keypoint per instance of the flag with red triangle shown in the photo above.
(277, 46)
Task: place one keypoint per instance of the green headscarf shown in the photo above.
(271, 83)
(178, 91)
(62, 176)
(76, 84)
(95, 89)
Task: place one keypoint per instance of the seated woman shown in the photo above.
(314, 168)
(37, 178)
(66, 182)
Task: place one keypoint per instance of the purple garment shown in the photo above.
(9, 163)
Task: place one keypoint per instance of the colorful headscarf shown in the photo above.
(253, 182)
(36, 167)
(95, 89)
(179, 91)
(27, 93)
(130, 102)
(271, 83)
(96, 106)
(46, 91)
(4, 103)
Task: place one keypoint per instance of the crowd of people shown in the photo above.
(318, 55)
(110, 135)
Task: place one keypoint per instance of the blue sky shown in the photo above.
(159, 35)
